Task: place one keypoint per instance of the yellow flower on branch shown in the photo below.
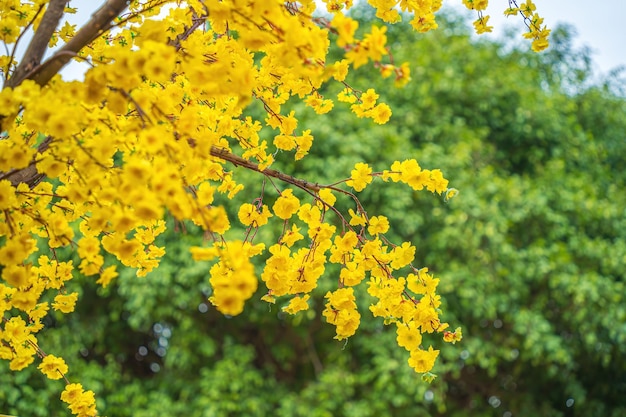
(409, 336)
(297, 304)
(361, 175)
(53, 367)
(378, 225)
(423, 360)
(286, 205)
(65, 302)
(481, 26)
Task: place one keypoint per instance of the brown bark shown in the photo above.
(30, 67)
(99, 23)
(38, 45)
(236, 160)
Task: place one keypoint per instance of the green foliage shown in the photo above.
(530, 257)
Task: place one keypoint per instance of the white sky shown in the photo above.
(600, 25)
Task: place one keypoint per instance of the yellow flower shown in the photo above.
(402, 255)
(297, 304)
(285, 142)
(53, 367)
(291, 236)
(450, 193)
(475, 4)
(369, 98)
(453, 337)
(378, 224)
(304, 143)
(22, 359)
(67, 31)
(361, 176)
(352, 274)
(425, 23)
(436, 182)
(347, 322)
(340, 70)
(15, 330)
(326, 196)
(357, 219)
(309, 214)
(341, 299)
(381, 113)
(249, 215)
(65, 302)
(286, 205)
(16, 275)
(375, 42)
(7, 195)
(346, 96)
(480, 25)
(88, 247)
(228, 301)
(527, 8)
(79, 401)
(408, 335)
(423, 360)
(107, 276)
(345, 27)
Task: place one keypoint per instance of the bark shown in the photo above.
(38, 45)
(100, 22)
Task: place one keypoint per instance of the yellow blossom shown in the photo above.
(107, 276)
(480, 25)
(65, 302)
(409, 336)
(378, 225)
(286, 205)
(361, 175)
(381, 113)
(297, 304)
(292, 236)
(423, 360)
(53, 367)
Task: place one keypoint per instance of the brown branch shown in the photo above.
(29, 174)
(197, 22)
(17, 42)
(224, 154)
(38, 45)
(99, 23)
(29, 67)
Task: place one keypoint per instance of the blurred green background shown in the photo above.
(531, 257)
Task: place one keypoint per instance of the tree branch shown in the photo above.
(29, 174)
(99, 23)
(38, 45)
(224, 154)
(197, 22)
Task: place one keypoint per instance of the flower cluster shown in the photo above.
(341, 311)
(537, 31)
(80, 402)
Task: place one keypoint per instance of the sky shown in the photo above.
(600, 25)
